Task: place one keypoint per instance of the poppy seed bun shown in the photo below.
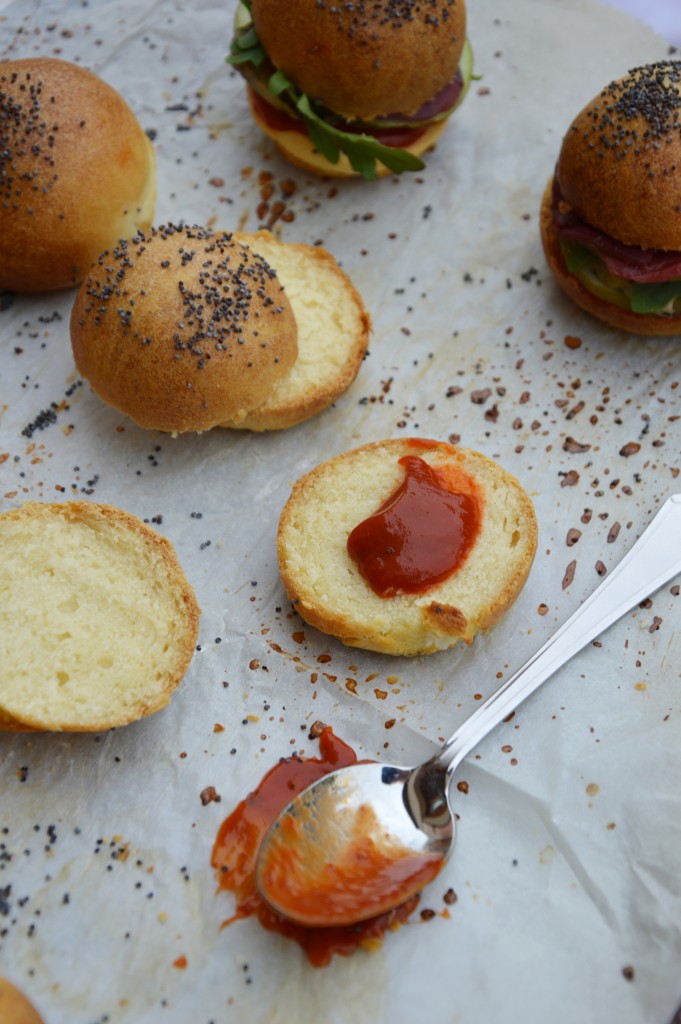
(650, 324)
(620, 161)
(98, 623)
(364, 59)
(183, 328)
(301, 151)
(77, 173)
(333, 333)
(327, 588)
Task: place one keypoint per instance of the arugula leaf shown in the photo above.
(651, 298)
(361, 150)
(246, 48)
(278, 83)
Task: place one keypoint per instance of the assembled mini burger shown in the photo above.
(611, 216)
(353, 87)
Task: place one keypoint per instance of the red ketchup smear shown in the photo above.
(239, 838)
(421, 534)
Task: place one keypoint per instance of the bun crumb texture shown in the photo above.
(77, 172)
(326, 587)
(98, 623)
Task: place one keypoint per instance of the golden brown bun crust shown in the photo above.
(15, 1007)
(333, 333)
(620, 162)
(195, 331)
(106, 620)
(299, 150)
(329, 592)
(636, 323)
(77, 173)
(366, 58)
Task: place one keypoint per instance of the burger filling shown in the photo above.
(283, 107)
(637, 279)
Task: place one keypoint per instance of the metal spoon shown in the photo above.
(367, 837)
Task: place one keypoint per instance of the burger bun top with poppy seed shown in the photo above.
(183, 329)
(620, 162)
(364, 59)
(77, 172)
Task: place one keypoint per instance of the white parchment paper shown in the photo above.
(568, 855)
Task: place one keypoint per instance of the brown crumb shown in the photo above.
(569, 574)
(210, 795)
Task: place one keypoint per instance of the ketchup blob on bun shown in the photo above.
(352, 87)
(611, 216)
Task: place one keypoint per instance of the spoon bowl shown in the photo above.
(366, 838)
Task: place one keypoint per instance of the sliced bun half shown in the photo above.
(327, 588)
(98, 623)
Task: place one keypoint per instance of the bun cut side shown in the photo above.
(98, 623)
(333, 333)
(77, 173)
(328, 587)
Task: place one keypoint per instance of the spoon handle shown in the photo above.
(653, 560)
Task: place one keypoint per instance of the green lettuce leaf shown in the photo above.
(577, 256)
(590, 269)
(246, 48)
(651, 298)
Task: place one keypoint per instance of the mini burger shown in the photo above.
(611, 216)
(353, 87)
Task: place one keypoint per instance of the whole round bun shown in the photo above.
(98, 623)
(620, 161)
(327, 588)
(301, 151)
(364, 59)
(333, 333)
(183, 329)
(650, 324)
(77, 173)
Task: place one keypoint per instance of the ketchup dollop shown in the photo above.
(421, 534)
(238, 840)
